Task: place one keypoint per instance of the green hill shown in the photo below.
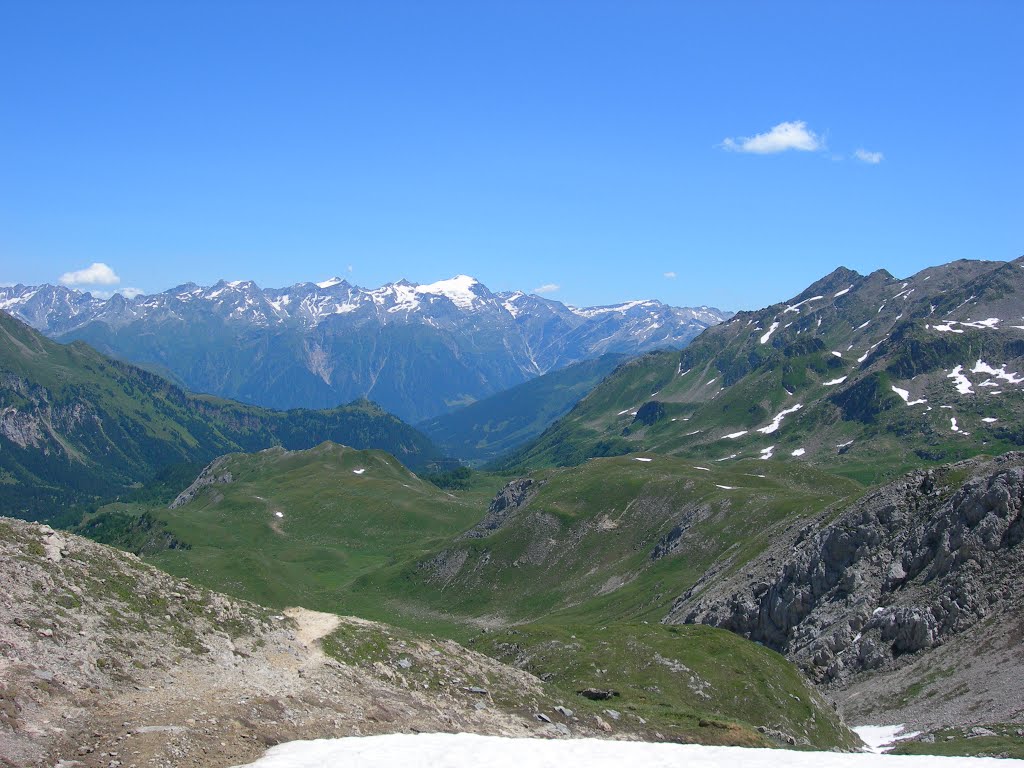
(616, 539)
(77, 427)
(296, 527)
(495, 425)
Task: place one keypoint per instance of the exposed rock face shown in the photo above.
(649, 413)
(209, 476)
(20, 428)
(511, 498)
(902, 570)
(674, 539)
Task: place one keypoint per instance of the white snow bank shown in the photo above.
(796, 307)
(768, 335)
(358, 471)
(947, 326)
(1000, 373)
(466, 750)
(962, 383)
(640, 458)
(777, 421)
(798, 452)
(726, 487)
(905, 394)
(734, 435)
(833, 382)
(881, 738)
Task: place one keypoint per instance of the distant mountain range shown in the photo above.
(418, 350)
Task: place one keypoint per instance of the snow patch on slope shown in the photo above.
(777, 421)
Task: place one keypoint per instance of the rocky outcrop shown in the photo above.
(209, 476)
(510, 499)
(20, 428)
(901, 571)
(674, 539)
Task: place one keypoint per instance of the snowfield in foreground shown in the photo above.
(467, 750)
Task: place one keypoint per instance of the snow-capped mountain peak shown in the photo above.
(330, 282)
(473, 342)
(589, 312)
(459, 290)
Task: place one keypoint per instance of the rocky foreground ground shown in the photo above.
(106, 661)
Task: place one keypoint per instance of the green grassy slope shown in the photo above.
(861, 373)
(686, 683)
(495, 425)
(297, 527)
(77, 427)
(614, 539)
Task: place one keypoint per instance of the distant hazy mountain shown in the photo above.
(497, 424)
(418, 350)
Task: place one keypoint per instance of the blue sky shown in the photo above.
(600, 147)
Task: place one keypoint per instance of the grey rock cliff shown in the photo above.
(901, 571)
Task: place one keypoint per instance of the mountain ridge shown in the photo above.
(853, 370)
(418, 350)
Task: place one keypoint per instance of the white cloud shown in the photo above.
(671, 275)
(791, 135)
(871, 158)
(349, 268)
(131, 293)
(547, 288)
(96, 273)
